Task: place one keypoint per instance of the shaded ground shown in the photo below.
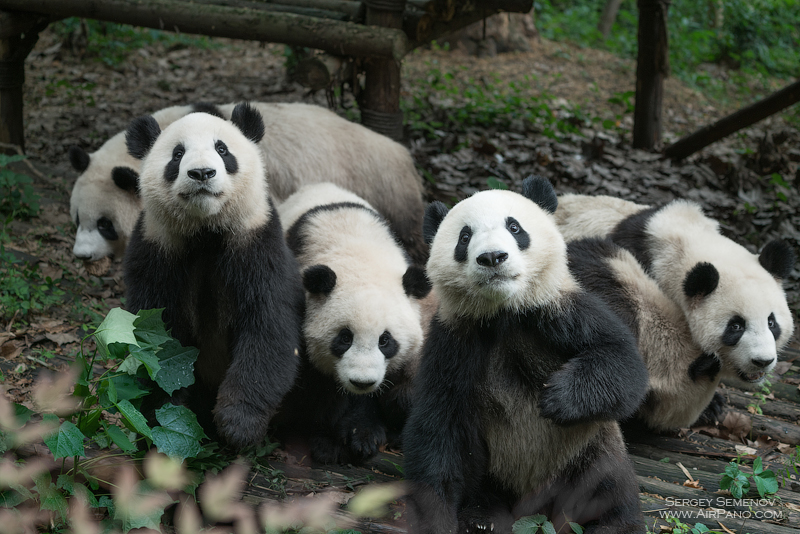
(747, 182)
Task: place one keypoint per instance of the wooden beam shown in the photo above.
(332, 9)
(343, 38)
(652, 66)
(688, 145)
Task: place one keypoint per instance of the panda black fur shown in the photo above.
(209, 248)
(522, 379)
(362, 328)
(302, 144)
(733, 300)
(682, 378)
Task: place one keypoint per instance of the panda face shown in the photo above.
(353, 336)
(745, 321)
(496, 250)
(201, 172)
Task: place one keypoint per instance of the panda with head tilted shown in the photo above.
(732, 300)
(362, 327)
(522, 379)
(209, 248)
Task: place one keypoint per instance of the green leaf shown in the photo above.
(768, 482)
(149, 360)
(548, 528)
(22, 414)
(576, 528)
(177, 363)
(49, 496)
(68, 441)
(130, 365)
(529, 524)
(120, 387)
(150, 327)
(134, 418)
(725, 483)
(119, 438)
(757, 466)
(179, 434)
(117, 327)
(90, 422)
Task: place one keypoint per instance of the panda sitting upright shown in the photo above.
(362, 328)
(209, 248)
(522, 379)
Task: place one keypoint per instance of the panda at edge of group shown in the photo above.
(365, 306)
(733, 300)
(209, 248)
(682, 378)
(523, 378)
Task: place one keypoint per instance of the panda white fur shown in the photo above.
(362, 328)
(584, 216)
(302, 144)
(209, 249)
(682, 378)
(105, 201)
(522, 379)
(733, 300)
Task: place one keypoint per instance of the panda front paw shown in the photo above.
(560, 400)
(325, 450)
(477, 520)
(364, 442)
(240, 424)
(714, 412)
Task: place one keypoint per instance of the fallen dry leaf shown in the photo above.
(10, 350)
(782, 367)
(744, 449)
(736, 425)
(62, 339)
(97, 268)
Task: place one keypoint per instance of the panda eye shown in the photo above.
(104, 224)
(513, 228)
(346, 336)
(384, 339)
(736, 327)
(177, 154)
(771, 322)
(464, 238)
(222, 150)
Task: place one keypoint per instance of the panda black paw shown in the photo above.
(714, 412)
(240, 424)
(365, 442)
(561, 401)
(325, 450)
(480, 521)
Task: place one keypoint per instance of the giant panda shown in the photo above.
(522, 380)
(362, 328)
(209, 249)
(302, 144)
(733, 300)
(105, 202)
(682, 378)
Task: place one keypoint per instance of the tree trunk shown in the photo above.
(608, 17)
(652, 66)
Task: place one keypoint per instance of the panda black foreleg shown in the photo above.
(714, 412)
(360, 430)
(487, 510)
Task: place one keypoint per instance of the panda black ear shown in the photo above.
(416, 283)
(141, 136)
(78, 158)
(778, 258)
(319, 280)
(249, 121)
(205, 107)
(701, 281)
(434, 215)
(540, 190)
(126, 179)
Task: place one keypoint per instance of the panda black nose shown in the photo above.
(362, 385)
(83, 257)
(762, 363)
(492, 259)
(201, 175)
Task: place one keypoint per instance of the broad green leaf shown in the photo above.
(179, 434)
(150, 327)
(119, 438)
(725, 483)
(150, 520)
(528, 525)
(576, 528)
(68, 441)
(148, 359)
(134, 418)
(768, 482)
(177, 366)
(22, 414)
(758, 466)
(120, 387)
(548, 528)
(90, 422)
(49, 496)
(130, 365)
(117, 327)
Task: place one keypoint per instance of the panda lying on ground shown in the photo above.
(362, 327)
(522, 379)
(209, 248)
(733, 301)
(302, 144)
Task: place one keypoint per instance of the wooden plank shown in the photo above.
(773, 408)
(344, 38)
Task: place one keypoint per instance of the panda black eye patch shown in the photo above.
(520, 235)
(174, 166)
(342, 342)
(463, 244)
(106, 229)
(774, 327)
(734, 331)
(388, 345)
(231, 165)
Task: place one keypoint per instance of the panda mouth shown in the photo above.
(751, 377)
(200, 192)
